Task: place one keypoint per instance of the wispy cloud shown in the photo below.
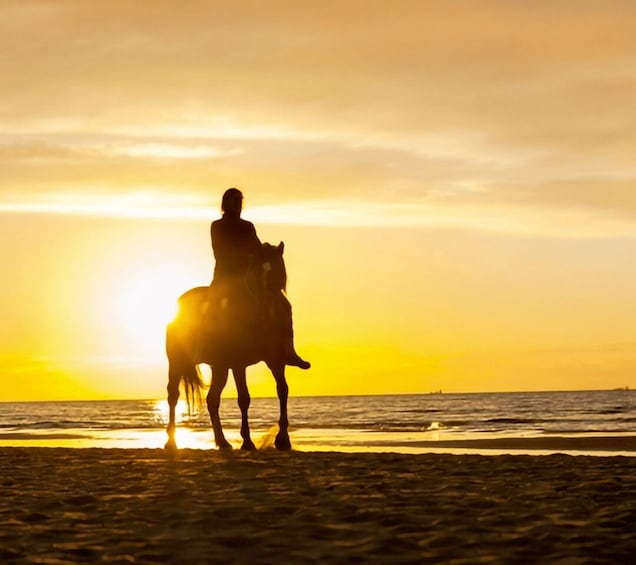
(498, 116)
(571, 223)
(174, 151)
(150, 203)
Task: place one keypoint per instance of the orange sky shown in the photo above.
(454, 182)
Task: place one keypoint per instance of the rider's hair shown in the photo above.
(230, 194)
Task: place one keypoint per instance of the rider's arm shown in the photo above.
(255, 244)
(222, 249)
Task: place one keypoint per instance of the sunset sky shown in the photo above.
(455, 183)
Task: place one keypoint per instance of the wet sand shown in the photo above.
(584, 445)
(61, 505)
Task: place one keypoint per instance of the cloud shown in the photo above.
(174, 151)
(148, 203)
(322, 182)
(490, 114)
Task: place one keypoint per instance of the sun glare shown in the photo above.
(161, 411)
(146, 302)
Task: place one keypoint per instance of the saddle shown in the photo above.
(233, 314)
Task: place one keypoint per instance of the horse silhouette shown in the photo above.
(230, 328)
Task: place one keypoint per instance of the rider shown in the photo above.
(234, 243)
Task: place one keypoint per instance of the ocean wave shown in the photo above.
(452, 414)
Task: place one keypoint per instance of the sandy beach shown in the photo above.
(61, 505)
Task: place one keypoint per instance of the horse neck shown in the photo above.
(271, 279)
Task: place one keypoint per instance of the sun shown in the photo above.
(145, 302)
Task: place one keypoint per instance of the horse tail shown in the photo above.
(183, 372)
(180, 348)
(193, 384)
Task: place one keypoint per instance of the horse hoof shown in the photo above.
(248, 446)
(282, 442)
(224, 445)
(171, 444)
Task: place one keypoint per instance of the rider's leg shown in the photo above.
(292, 358)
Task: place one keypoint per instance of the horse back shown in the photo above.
(236, 336)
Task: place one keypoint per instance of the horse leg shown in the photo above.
(174, 378)
(219, 379)
(282, 440)
(240, 378)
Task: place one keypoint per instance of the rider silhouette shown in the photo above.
(234, 244)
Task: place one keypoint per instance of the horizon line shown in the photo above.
(369, 394)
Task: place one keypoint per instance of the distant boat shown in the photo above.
(621, 388)
(436, 391)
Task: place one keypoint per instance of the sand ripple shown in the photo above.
(142, 506)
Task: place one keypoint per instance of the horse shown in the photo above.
(230, 331)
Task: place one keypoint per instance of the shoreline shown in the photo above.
(321, 441)
(557, 444)
(141, 505)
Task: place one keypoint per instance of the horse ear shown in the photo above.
(281, 247)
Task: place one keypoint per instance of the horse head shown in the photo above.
(268, 268)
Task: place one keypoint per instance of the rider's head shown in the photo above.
(232, 202)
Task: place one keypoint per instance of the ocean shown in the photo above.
(459, 423)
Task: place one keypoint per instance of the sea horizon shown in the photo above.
(599, 422)
(232, 395)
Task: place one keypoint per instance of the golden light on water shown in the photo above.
(162, 411)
